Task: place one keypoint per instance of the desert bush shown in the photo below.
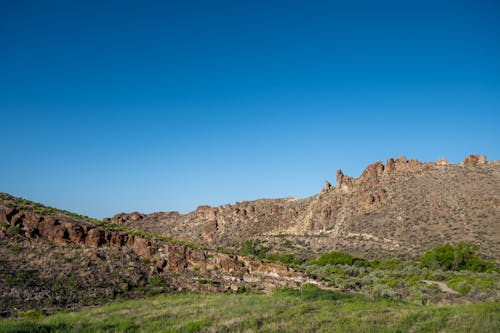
(461, 257)
(14, 230)
(253, 249)
(285, 258)
(387, 263)
(382, 291)
(336, 258)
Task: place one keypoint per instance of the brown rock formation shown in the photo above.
(344, 183)
(442, 161)
(125, 217)
(390, 166)
(225, 270)
(403, 208)
(473, 160)
(401, 162)
(370, 176)
(374, 170)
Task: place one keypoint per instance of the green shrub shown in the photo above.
(387, 264)
(383, 291)
(14, 230)
(285, 258)
(334, 258)
(30, 314)
(253, 249)
(461, 257)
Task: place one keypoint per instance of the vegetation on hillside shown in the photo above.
(37, 275)
(444, 273)
(461, 257)
(37, 208)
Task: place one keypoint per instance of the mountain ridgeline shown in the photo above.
(402, 208)
(52, 259)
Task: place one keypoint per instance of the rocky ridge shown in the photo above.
(184, 266)
(403, 207)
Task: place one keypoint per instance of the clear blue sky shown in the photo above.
(109, 106)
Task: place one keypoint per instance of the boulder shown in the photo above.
(473, 160)
(442, 161)
(125, 217)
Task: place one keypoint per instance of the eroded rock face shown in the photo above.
(473, 160)
(226, 271)
(390, 166)
(371, 175)
(328, 185)
(344, 183)
(374, 170)
(442, 161)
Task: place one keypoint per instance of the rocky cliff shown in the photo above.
(402, 207)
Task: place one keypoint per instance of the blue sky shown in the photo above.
(110, 106)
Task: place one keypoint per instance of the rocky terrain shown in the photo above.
(49, 261)
(52, 259)
(403, 207)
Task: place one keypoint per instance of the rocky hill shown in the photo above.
(402, 207)
(51, 259)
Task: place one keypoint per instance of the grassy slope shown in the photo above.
(290, 311)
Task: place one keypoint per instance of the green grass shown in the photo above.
(308, 310)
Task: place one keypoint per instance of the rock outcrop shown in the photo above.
(125, 217)
(344, 183)
(474, 160)
(390, 166)
(442, 161)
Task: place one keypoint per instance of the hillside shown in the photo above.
(52, 259)
(402, 208)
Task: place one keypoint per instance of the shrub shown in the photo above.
(387, 264)
(285, 258)
(461, 257)
(14, 230)
(30, 314)
(334, 258)
(383, 291)
(253, 249)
